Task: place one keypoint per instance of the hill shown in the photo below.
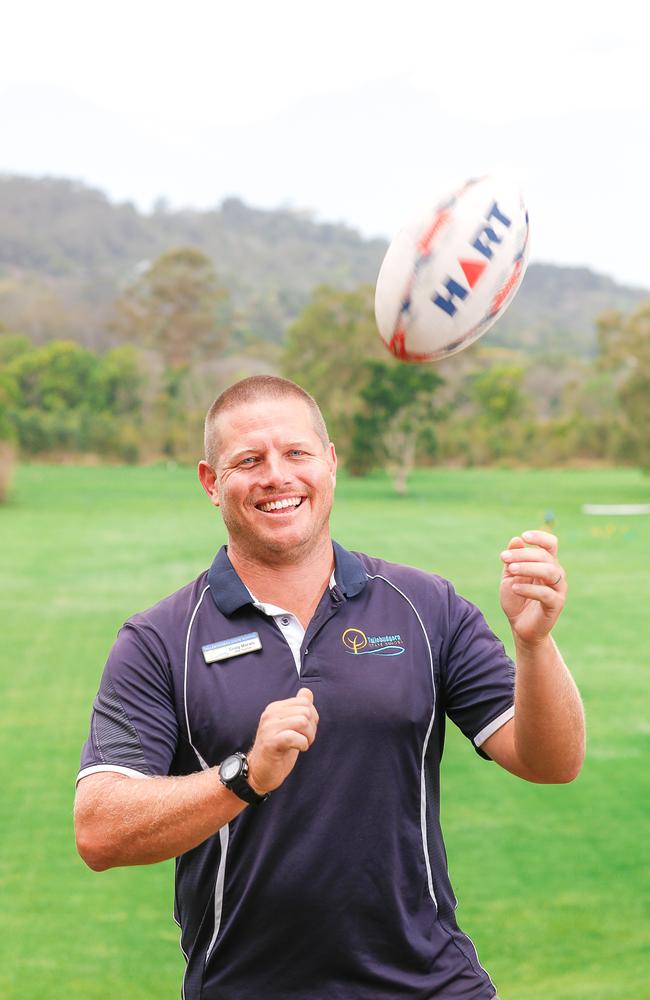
(66, 251)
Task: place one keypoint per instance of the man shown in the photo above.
(287, 711)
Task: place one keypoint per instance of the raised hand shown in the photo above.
(533, 585)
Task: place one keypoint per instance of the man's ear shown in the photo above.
(208, 480)
(333, 462)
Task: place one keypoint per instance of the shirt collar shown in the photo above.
(350, 575)
(229, 593)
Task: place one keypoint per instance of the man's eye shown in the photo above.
(248, 461)
(296, 451)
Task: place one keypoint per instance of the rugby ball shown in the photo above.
(447, 277)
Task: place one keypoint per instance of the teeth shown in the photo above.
(279, 504)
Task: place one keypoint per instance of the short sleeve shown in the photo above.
(478, 675)
(133, 726)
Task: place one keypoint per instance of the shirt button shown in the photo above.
(285, 621)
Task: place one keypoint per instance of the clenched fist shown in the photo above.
(286, 728)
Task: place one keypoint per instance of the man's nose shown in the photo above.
(274, 471)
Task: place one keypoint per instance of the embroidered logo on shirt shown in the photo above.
(358, 643)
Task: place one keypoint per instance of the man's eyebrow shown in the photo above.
(252, 449)
(233, 458)
(300, 444)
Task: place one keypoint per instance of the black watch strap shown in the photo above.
(233, 773)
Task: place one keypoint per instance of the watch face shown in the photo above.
(230, 768)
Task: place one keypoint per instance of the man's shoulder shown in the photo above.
(155, 639)
(171, 612)
(417, 582)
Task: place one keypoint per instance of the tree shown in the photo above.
(54, 378)
(326, 351)
(498, 391)
(625, 350)
(503, 425)
(177, 307)
(117, 382)
(10, 345)
(63, 397)
(396, 420)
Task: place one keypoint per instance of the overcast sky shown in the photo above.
(360, 112)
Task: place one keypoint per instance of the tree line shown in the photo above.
(179, 345)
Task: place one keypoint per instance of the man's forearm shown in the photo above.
(131, 821)
(549, 727)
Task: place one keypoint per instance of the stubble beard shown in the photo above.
(274, 552)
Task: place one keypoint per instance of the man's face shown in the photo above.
(274, 479)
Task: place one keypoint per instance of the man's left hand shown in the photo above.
(533, 585)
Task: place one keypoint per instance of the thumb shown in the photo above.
(517, 543)
(306, 694)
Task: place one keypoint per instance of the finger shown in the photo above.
(546, 571)
(300, 721)
(275, 707)
(304, 697)
(304, 720)
(288, 739)
(511, 552)
(310, 733)
(529, 555)
(542, 538)
(547, 596)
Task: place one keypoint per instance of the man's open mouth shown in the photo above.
(273, 506)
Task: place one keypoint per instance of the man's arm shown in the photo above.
(137, 821)
(132, 821)
(545, 742)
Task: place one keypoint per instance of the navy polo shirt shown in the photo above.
(336, 887)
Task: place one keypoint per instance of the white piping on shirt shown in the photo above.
(423, 790)
(224, 836)
(492, 727)
(203, 764)
(110, 768)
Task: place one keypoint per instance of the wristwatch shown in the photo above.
(233, 773)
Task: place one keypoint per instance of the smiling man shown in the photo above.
(277, 726)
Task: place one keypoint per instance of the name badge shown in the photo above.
(231, 647)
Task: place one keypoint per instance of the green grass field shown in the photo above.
(552, 881)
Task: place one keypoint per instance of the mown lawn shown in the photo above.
(552, 882)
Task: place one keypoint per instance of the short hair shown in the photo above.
(249, 390)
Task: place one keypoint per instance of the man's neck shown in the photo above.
(296, 586)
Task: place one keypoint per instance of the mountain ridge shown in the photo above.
(67, 250)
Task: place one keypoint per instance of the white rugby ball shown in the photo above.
(448, 277)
